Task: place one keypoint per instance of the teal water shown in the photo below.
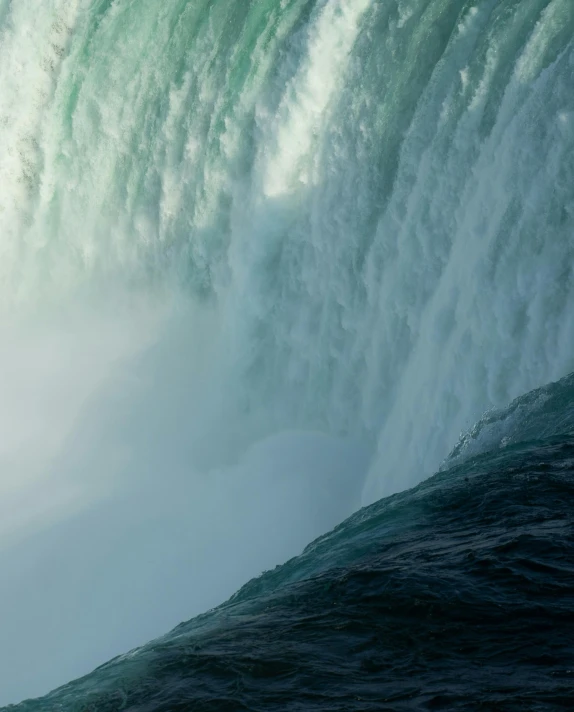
(260, 264)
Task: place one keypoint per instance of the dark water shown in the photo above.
(458, 594)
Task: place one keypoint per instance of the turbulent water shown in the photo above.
(261, 263)
(458, 594)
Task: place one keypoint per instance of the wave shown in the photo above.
(538, 415)
(457, 591)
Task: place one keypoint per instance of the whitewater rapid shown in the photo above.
(259, 263)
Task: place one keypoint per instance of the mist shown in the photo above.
(124, 509)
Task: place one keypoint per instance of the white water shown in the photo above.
(254, 268)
